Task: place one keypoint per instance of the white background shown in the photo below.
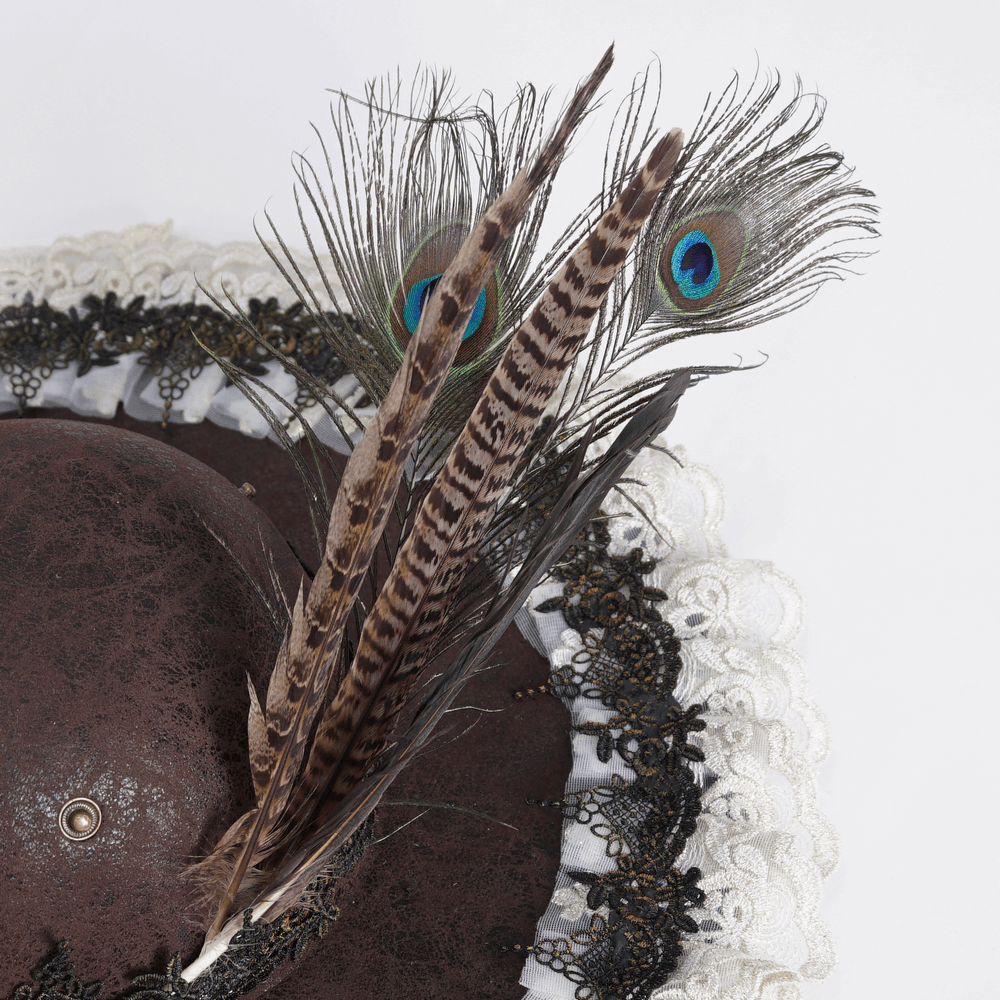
(860, 458)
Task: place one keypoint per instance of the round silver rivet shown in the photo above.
(79, 819)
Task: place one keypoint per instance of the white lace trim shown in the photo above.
(148, 260)
(762, 845)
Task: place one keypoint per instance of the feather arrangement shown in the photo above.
(493, 376)
(359, 516)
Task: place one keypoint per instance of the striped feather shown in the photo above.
(261, 758)
(450, 524)
(579, 500)
(360, 511)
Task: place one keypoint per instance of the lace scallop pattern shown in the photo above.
(761, 844)
(108, 283)
(147, 260)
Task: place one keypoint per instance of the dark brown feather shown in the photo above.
(413, 604)
(360, 511)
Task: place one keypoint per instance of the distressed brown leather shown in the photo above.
(125, 638)
(425, 913)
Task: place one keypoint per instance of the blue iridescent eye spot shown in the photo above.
(415, 299)
(417, 296)
(477, 316)
(694, 265)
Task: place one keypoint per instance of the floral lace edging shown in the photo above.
(107, 318)
(147, 260)
(760, 844)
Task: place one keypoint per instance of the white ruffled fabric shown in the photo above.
(150, 261)
(761, 843)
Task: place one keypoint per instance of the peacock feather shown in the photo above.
(502, 417)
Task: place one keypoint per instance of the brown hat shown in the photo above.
(137, 597)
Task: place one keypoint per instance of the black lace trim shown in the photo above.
(57, 980)
(36, 340)
(630, 663)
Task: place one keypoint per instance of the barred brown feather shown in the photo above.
(460, 505)
(580, 498)
(261, 758)
(361, 509)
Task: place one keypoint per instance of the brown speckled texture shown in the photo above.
(126, 634)
(427, 911)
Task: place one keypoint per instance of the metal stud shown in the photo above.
(79, 819)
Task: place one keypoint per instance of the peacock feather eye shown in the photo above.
(417, 297)
(694, 265)
(421, 274)
(700, 258)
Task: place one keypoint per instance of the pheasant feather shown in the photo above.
(361, 510)
(576, 505)
(428, 570)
